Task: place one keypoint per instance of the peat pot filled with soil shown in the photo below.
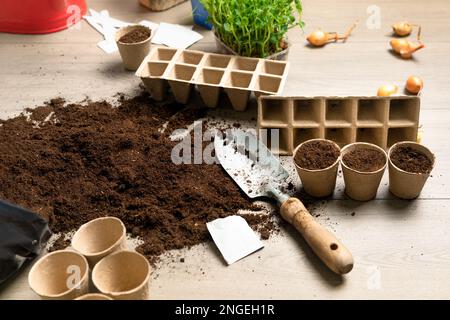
(410, 165)
(363, 166)
(317, 162)
(133, 43)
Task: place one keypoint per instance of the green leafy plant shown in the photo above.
(254, 28)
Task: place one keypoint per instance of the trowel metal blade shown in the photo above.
(249, 163)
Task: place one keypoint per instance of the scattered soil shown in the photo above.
(136, 35)
(364, 160)
(411, 160)
(94, 160)
(61, 243)
(316, 155)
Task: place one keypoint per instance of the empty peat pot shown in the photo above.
(123, 275)
(100, 237)
(94, 296)
(410, 165)
(363, 166)
(317, 162)
(60, 275)
(133, 43)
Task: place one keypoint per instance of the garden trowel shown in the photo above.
(259, 174)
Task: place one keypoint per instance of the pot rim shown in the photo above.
(367, 144)
(94, 294)
(68, 291)
(122, 293)
(132, 26)
(115, 244)
(316, 170)
(433, 158)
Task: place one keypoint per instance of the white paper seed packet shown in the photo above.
(234, 238)
(175, 36)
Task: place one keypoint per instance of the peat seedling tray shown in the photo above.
(379, 120)
(211, 73)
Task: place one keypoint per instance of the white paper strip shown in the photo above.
(93, 22)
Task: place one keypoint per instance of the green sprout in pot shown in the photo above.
(254, 28)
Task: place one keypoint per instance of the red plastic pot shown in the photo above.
(39, 16)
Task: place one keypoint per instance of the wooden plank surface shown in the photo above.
(401, 248)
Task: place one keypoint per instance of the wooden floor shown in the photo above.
(401, 249)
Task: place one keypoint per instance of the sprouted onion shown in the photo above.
(405, 48)
(319, 38)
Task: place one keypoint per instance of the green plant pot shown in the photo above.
(223, 48)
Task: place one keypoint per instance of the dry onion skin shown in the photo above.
(319, 38)
(403, 28)
(414, 84)
(387, 90)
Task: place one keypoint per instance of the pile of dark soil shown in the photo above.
(135, 35)
(364, 160)
(316, 155)
(411, 160)
(95, 160)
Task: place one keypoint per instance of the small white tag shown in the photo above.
(234, 238)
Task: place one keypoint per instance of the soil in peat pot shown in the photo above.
(93, 160)
(136, 35)
(364, 160)
(411, 160)
(316, 155)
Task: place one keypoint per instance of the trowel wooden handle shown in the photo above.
(329, 249)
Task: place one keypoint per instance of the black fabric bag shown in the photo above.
(23, 234)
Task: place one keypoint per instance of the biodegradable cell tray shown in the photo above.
(379, 120)
(184, 69)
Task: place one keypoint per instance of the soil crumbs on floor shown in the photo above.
(73, 163)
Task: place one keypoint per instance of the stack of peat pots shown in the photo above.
(363, 166)
(98, 246)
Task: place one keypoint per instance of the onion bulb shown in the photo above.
(405, 48)
(319, 38)
(414, 84)
(387, 90)
(402, 29)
